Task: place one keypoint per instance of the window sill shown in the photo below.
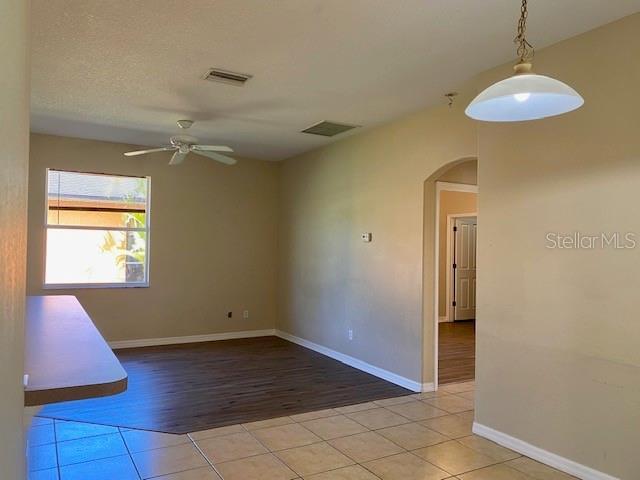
(79, 286)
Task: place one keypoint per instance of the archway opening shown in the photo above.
(450, 224)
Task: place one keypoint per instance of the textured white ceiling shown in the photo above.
(126, 70)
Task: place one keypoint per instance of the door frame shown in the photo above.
(451, 218)
(451, 187)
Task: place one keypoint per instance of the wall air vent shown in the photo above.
(225, 76)
(328, 129)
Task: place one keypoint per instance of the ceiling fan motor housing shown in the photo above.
(178, 140)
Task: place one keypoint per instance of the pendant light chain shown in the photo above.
(525, 50)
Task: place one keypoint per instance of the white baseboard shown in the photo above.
(443, 319)
(211, 337)
(356, 363)
(544, 456)
(429, 387)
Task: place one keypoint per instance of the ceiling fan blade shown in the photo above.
(212, 148)
(153, 150)
(177, 158)
(216, 156)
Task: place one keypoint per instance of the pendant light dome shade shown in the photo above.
(525, 96)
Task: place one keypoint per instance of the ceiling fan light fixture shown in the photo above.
(526, 95)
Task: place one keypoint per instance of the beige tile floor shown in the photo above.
(416, 437)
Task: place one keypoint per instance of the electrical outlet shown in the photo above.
(350, 334)
(367, 237)
(245, 314)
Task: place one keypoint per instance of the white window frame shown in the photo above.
(147, 229)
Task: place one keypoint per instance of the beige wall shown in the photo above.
(557, 363)
(213, 238)
(450, 204)
(14, 158)
(558, 357)
(330, 280)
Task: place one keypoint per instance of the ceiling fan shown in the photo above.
(182, 145)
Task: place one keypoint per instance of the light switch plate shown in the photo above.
(366, 237)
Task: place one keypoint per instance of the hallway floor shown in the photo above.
(456, 351)
(424, 436)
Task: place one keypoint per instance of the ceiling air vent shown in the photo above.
(328, 129)
(225, 76)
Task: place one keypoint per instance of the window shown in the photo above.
(97, 230)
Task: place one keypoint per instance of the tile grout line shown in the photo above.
(59, 465)
(275, 453)
(497, 462)
(55, 422)
(373, 459)
(371, 429)
(193, 442)
(129, 453)
(56, 419)
(347, 466)
(94, 460)
(421, 420)
(55, 438)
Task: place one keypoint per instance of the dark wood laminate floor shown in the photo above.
(456, 351)
(186, 388)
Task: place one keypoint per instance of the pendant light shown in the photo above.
(524, 96)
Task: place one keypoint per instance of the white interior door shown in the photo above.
(464, 268)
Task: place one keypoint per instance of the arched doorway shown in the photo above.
(447, 192)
